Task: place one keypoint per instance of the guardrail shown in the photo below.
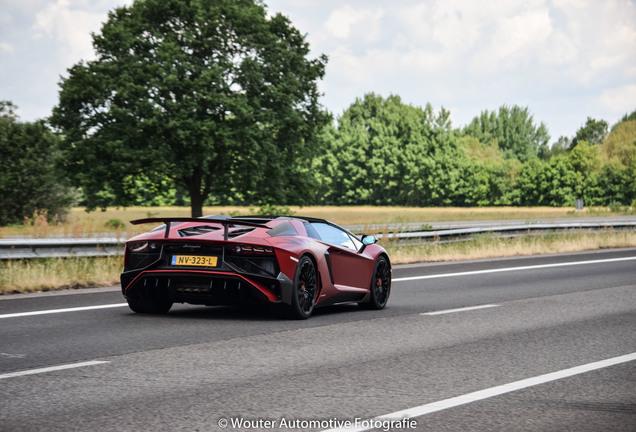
(60, 248)
(111, 246)
(508, 231)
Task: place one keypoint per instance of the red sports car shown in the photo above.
(293, 264)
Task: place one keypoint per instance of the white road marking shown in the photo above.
(491, 392)
(9, 355)
(54, 311)
(464, 309)
(511, 269)
(51, 369)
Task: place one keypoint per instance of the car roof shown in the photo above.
(268, 218)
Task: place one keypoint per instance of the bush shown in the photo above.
(115, 224)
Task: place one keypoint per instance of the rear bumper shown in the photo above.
(208, 288)
(235, 277)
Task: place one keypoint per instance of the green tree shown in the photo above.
(562, 182)
(593, 131)
(487, 177)
(617, 181)
(532, 184)
(544, 183)
(620, 145)
(586, 162)
(560, 146)
(513, 130)
(626, 117)
(617, 186)
(385, 152)
(214, 94)
(29, 182)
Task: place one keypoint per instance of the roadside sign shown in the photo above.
(579, 205)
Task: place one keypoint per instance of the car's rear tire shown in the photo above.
(380, 285)
(305, 291)
(149, 305)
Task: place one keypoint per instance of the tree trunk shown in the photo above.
(196, 196)
(199, 191)
(196, 203)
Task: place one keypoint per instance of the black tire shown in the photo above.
(149, 305)
(380, 288)
(305, 292)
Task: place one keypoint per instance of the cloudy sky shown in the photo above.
(563, 59)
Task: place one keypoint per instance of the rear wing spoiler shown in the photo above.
(225, 222)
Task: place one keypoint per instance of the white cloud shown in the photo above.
(6, 47)
(70, 25)
(521, 34)
(40, 40)
(340, 21)
(364, 23)
(454, 26)
(559, 56)
(564, 59)
(619, 100)
(21, 6)
(410, 23)
(559, 50)
(603, 34)
(492, 35)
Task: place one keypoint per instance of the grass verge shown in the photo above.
(21, 276)
(63, 273)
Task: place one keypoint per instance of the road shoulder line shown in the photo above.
(55, 311)
(51, 369)
(511, 269)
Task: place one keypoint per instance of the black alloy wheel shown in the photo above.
(305, 289)
(380, 285)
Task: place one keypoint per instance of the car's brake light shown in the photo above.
(141, 246)
(252, 249)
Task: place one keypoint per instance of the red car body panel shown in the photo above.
(255, 259)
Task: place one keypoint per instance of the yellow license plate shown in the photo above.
(194, 260)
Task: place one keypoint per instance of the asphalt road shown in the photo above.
(551, 346)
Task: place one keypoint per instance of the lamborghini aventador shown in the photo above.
(291, 264)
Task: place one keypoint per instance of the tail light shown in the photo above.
(140, 254)
(252, 259)
(141, 246)
(251, 250)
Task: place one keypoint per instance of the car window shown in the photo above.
(311, 231)
(284, 228)
(333, 235)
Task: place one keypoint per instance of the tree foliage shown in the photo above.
(619, 148)
(212, 94)
(513, 130)
(593, 131)
(29, 182)
(386, 152)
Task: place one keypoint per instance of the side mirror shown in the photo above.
(366, 241)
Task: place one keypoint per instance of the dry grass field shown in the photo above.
(80, 223)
